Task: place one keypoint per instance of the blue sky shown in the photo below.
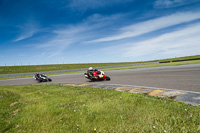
(34, 32)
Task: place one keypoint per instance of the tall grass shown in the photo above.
(57, 108)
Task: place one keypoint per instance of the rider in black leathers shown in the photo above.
(91, 71)
(37, 75)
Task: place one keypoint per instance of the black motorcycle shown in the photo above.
(42, 78)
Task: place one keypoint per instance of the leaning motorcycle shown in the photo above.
(97, 76)
(42, 78)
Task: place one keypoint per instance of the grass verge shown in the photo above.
(155, 65)
(58, 108)
(41, 68)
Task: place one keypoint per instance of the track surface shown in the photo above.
(185, 77)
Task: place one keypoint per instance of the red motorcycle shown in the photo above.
(97, 76)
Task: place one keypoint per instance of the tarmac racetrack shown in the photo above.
(185, 77)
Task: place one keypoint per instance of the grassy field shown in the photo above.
(40, 68)
(155, 65)
(182, 58)
(58, 108)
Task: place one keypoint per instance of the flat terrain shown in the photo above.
(184, 77)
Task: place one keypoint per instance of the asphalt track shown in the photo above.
(184, 78)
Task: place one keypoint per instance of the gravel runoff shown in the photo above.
(71, 70)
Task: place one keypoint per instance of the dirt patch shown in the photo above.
(12, 104)
(15, 112)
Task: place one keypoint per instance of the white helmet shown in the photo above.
(90, 68)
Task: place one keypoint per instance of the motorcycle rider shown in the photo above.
(91, 71)
(37, 75)
(95, 72)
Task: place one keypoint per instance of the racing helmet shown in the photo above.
(37, 73)
(90, 68)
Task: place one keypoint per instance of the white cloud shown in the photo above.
(76, 35)
(67, 35)
(151, 25)
(27, 31)
(172, 3)
(177, 43)
(52, 55)
(25, 35)
(167, 3)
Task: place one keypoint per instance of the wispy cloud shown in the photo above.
(53, 55)
(151, 25)
(66, 36)
(172, 3)
(77, 35)
(83, 5)
(27, 30)
(177, 43)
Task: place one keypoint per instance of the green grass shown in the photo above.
(182, 58)
(155, 65)
(58, 108)
(40, 68)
